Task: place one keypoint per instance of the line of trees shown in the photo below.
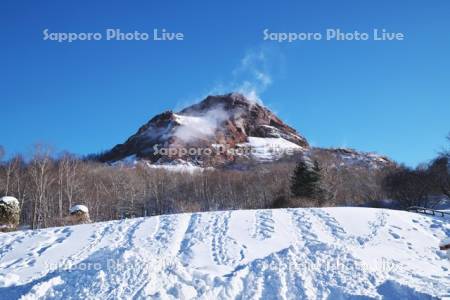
(47, 186)
(394, 186)
(424, 186)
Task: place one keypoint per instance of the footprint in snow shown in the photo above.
(394, 235)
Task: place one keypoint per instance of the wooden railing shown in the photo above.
(429, 211)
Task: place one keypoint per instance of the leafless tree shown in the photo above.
(41, 180)
(2, 152)
(48, 186)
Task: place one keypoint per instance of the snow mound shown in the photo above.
(77, 208)
(9, 200)
(332, 253)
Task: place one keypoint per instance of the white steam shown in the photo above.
(252, 77)
(193, 128)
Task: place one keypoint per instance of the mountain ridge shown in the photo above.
(227, 120)
(224, 130)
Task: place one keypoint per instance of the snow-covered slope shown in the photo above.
(270, 149)
(335, 253)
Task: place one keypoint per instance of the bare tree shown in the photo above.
(439, 171)
(47, 186)
(41, 179)
(19, 182)
(2, 152)
(11, 174)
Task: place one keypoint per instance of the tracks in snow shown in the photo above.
(334, 261)
(335, 229)
(164, 234)
(264, 225)
(35, 249)
(308, 254)
(9, 243)
(196, 233)
(224, 249)
(94, 240)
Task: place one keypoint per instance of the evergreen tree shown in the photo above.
(306, 181)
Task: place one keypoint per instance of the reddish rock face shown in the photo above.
(227, 120)
(216, 125)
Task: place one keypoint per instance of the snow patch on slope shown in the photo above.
(179, 166)
(269, 149)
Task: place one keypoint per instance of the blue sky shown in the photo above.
(389, 97)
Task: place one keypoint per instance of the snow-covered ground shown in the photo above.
(334, 253)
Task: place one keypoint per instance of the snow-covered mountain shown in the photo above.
(332, 253)
(214, 132)
(219, 131)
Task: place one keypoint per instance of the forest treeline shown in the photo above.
(47, 185)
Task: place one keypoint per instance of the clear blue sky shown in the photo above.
(388, 97)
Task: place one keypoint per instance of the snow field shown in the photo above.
(330, 253)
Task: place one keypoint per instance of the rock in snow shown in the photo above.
(79, 214)
(332, 253)
(445, 245)
(9, 213)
